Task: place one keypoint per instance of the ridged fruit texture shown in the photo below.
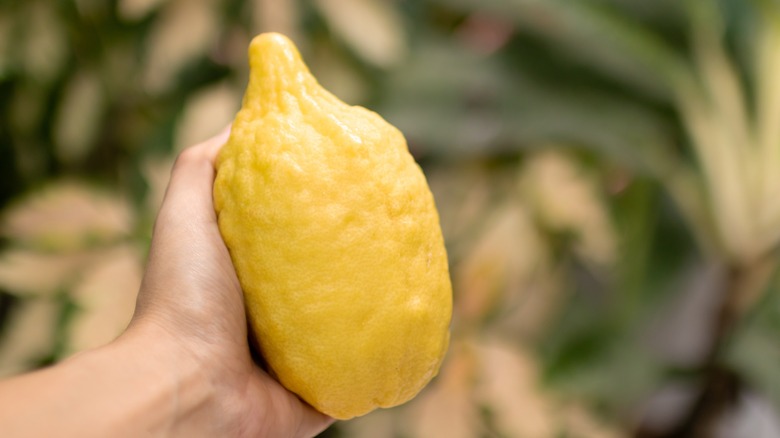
(335, 238)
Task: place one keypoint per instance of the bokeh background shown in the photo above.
(607, 174)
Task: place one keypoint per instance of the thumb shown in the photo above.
(192, 178)
(281, 413)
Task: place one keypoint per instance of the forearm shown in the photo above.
(184, 367)
(127, 388)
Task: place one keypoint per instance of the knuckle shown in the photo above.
(189, 155)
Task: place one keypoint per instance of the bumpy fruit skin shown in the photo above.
(336, 241)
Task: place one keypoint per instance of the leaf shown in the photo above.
(587, 361)
(206, 113)
(502, 263)
(446, 408)
(337, 75)
(508, 385)
(27, 108)
(578, 422)
(184, 32)
(78, 117)
(686, 188)
(484, 108)
(596, 36)
(25, 272)
(714, 115)
(134, 10)
(29, 335)
(6, 27)
(734, 137)
(463, 195)
(768, 112)
(567, 200)
(43, 47)
(105, 297)
(66, 215)
(372, 28)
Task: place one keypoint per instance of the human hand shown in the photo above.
(191, 303)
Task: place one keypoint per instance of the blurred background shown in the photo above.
(607, 174)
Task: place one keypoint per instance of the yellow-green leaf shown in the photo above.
(26, 272)
(78, 117)
(372, 28)
(105, 296)
(29, 335)
(66, 215)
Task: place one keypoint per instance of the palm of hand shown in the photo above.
(191, 297)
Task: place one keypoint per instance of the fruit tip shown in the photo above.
(271, 39)
(270, 49)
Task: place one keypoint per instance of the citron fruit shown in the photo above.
(335, 239)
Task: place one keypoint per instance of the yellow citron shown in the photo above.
(335, 238)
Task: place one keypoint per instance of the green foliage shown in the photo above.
(594, 161)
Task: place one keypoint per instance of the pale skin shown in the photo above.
(183, 366)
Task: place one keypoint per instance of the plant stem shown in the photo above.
(720, 385)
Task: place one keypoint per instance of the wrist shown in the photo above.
(177, 393)
(153, 385)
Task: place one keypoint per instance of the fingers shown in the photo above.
(312, 423)
(186, 217)
(186, 240)
(189, 193)
(212, 146)
(281, 412)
